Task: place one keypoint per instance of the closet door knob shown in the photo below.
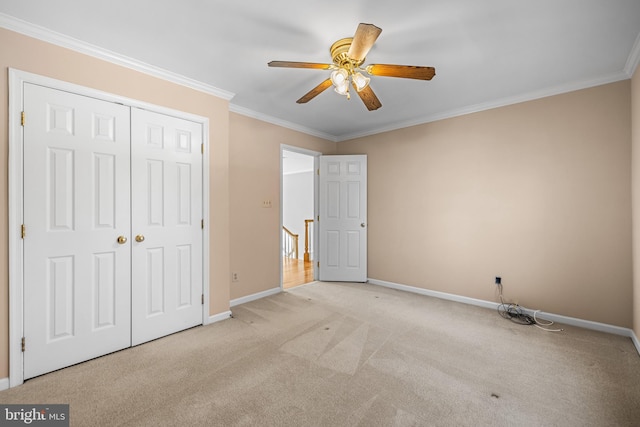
(139, 238)
(122, 240)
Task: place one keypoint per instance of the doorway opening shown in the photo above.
(297, 217)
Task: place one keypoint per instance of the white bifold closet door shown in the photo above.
(77, 278)
(93, 182)
(166, 185)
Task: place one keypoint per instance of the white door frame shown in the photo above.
(316, 183)
(17, 79)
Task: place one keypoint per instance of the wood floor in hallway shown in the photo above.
(296, 272)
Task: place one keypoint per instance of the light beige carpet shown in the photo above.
(329, 354)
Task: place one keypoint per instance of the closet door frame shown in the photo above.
(17, 79)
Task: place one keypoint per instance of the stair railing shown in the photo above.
(290, 243)
(307, 240)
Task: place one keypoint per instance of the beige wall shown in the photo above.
(635, 132)
(255, 177)
(538, 193)
(24, 53)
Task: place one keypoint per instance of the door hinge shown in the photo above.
(318, 217)
(202, 148)
(22, 118)
(318, 264)
(202, 299)
(202, 224)
(23, 344)
(23, 231)
(318, 171)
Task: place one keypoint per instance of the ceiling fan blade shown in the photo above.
(404, 71)
(290, 64)
(369, 98)
(363, 40)
(314, 92)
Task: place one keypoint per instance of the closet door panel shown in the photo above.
(76, 205)
(166, 174)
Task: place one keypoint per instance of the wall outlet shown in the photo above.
(234, 277)
(266, 203)
(498, 280)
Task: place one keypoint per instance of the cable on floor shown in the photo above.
(516, 314)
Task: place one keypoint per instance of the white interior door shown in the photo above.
(343, 218)
(166, 183)
(113, 257)
(76, 205)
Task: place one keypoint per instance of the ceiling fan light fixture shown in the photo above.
(343, 89)
(360, 81)
(339, 77)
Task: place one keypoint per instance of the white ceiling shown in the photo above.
(486, 53)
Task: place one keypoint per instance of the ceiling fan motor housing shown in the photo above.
(339, 54)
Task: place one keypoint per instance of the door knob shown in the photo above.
(139, 238)
(362, 225)
(122, 240)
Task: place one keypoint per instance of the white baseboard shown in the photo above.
(219, 317)
(436, 294)
(634, 338)
(254, 297)
(4, 384)
(587, 324)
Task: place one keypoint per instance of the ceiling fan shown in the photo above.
(348, 57)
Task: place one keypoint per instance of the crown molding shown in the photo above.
(282, 123)
(46, 35)
(58, 39)
(633, 59)
(502, 102)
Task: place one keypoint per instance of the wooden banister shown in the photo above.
(307, 255)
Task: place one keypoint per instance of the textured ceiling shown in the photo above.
(486, 53)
